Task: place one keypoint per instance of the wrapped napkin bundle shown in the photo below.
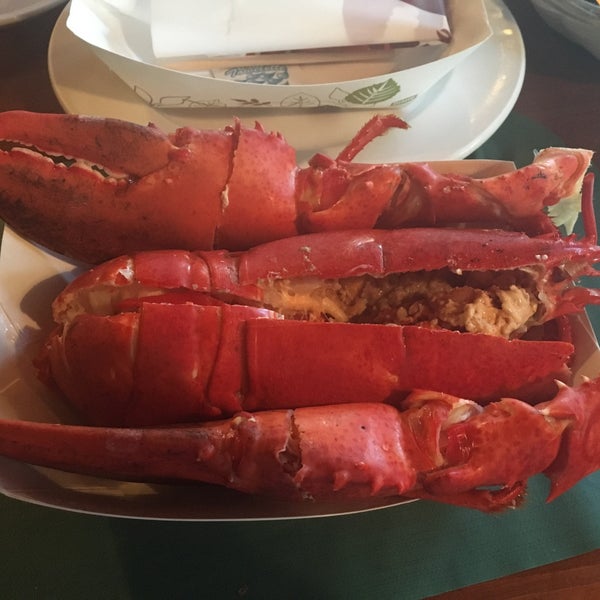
(236, 28)
(270, 40)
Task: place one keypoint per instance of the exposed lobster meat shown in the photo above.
(172, 336)
(438, 447)
(93, 189)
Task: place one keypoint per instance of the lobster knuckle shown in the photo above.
(364, 198)
(264, 452)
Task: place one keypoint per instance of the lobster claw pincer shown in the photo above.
(579, 453)
(91, 188)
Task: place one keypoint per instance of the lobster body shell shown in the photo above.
(198, 345)
(202, 362)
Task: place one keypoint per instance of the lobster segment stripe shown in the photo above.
(258, 202)
(171, 269)
(228, 381)
(176, 354)
(102, 351)
(293, 363)
(225, 280)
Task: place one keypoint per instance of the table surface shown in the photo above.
(561, 91)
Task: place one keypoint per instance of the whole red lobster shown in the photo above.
(93, 189)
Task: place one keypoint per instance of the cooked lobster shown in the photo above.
(307, 356)
(93, 189)
(437, 447)
(172, 336)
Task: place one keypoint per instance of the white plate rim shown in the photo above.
(451, 121)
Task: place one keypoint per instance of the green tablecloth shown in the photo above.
(409, 551)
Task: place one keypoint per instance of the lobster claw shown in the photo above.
(492, 450)
(579, 453)
(439, 447)
(92, 188)
(487, 452)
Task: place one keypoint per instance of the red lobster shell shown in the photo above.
(94, 189)
(172, 336)
(168, 336)
(437, 447)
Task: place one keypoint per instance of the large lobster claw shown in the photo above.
(90, 188)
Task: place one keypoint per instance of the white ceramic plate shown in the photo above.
(12, 11)
(452, 120)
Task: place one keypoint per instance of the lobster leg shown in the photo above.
(439, 447)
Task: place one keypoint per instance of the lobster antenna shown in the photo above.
(587, 209)
(373, 128)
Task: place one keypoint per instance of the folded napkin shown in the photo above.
(181, 28)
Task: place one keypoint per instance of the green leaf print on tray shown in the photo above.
(373, 94)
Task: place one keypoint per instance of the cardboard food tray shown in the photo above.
(30, 278)
(383, 81)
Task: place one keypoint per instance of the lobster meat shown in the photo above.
(337, 317)
(437, 447)
(93, 189)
